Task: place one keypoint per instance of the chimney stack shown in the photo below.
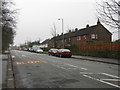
(87, 25)
(76, 29)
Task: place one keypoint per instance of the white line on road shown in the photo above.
(60, 67)
(70, 65)
(101, 81)
(23, 56)
(9, 69)
(110, 79)
(13, 57)
(86, 73)
(63, 68)
(10, 79)
(84, 68)
(110, 75)
(75, 66)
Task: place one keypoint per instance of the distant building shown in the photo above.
(117, 40)
(95, 33)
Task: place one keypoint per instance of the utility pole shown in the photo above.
(62, 31)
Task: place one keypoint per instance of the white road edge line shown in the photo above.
(101, 81)
(110, 75)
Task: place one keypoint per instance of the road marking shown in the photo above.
(32, 62)
(101, 81)
(13, 57)
(110, 79)
(23, 56)
(72, 68)
(61, 67)
(29, 62)
(10, 79)
(85, 73)
(9, 69)
(110, 75)
(76, 66)
(70, 65)
(84, 68)
(64, 68)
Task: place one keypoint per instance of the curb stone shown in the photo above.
(10, 73)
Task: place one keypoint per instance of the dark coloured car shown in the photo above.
(52, 52)
(64, 53)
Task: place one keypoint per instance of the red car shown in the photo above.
(52, 52)
(64, 53)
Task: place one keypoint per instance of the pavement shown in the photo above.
(4, 59)
(97, 59)
(0, 71)
(7, 72)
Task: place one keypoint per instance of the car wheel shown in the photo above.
(60, 55)
(69, 56)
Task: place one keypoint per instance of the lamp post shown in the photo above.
(62, 31)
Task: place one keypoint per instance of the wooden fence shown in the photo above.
(100, 46)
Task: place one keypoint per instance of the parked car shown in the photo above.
(52, 52)
(64, 53)
(39, 51)
(30, 49)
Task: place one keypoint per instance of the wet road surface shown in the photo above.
(33, 70)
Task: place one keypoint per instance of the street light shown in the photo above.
(62, 31)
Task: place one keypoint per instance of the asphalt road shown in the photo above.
(34, 70)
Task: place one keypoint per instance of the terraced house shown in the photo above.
(95, 33)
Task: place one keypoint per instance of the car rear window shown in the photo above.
(65, 50)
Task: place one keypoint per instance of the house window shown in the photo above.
(65, 40)
(94, 36)
(69, 39)
(85, 36)
(78, 37)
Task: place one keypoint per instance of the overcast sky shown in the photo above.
(36, 17)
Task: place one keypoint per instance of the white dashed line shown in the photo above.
(85, 73)
(10, 79)
(9, 69)
(84, 68)
(23, 56)
(13, 57)
(63, 68)
(71, 65)
(76, 66)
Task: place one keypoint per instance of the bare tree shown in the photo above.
(109, 12)
(8, 22)
(54, 33)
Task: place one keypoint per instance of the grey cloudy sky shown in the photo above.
(36, 17)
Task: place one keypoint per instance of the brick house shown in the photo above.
(95, 33)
